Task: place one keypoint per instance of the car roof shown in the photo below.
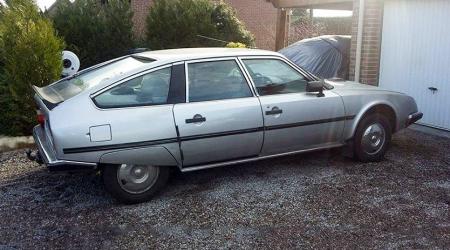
(201, 53)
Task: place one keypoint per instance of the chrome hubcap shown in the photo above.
(373, 139)
(137, 179)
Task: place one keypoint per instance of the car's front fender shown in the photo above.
(401, 105)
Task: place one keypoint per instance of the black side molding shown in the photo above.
(306, 123)
(179, 139)
(118, 146)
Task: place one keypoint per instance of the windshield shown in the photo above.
(72, 86)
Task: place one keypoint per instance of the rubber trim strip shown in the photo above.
(158, 142)
(118, 146)
(300, 124)
(212, 135)
(198, 137)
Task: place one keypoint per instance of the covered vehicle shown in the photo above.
(324, 56)
(137, 117)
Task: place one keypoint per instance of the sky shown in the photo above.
(41, 3)
(332, 13)
(44, 3)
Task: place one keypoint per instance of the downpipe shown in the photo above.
(359, 41)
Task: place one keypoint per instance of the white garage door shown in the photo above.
(415, 57)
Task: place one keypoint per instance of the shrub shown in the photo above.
(235, 45)
(94, 31)
(179, 23)
(303, 26)
(336, 25)
(30, 54)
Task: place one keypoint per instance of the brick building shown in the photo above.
(366, 54)
(259, 16)
(371, 41)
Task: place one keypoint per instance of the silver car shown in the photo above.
(138, 117)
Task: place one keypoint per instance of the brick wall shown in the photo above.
(140, 11)
(259, 16)
(370, 56)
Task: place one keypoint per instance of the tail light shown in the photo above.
(40, 117)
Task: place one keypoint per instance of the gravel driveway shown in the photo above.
(316, 200)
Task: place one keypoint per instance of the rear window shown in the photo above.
(65, 89)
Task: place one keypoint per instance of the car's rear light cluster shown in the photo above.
(40, 117)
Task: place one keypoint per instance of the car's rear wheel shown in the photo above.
(131, 183)
(372, 138)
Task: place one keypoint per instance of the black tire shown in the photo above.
(117, 190)
(364, 141)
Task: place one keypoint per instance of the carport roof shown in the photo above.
(314, 4)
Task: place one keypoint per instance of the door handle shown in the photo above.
(196, 119)
(274, 111)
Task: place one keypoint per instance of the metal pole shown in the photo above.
(359, 40)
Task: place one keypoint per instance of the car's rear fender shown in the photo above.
(155, 155)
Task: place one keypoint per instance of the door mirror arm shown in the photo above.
(316, 86)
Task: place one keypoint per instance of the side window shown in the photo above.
(216, 80)
(148, 89)
(272, 76)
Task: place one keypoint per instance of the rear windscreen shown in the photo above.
(67, 88)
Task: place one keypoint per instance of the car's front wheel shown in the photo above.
(372, 138)
(131, 183)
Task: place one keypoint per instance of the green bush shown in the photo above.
(94, 31)
(302, 26)
(178, 23)
(336, 25)
(30, 54)
(235, 45)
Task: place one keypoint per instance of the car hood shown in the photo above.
(349, 85)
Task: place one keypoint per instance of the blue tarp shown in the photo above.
(324, 56)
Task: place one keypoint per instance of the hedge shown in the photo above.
(30, 54)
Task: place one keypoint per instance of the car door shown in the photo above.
(294, 119)
(222, 118)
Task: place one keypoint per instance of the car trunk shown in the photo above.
(43, 99)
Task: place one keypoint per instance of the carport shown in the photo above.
(282, 32)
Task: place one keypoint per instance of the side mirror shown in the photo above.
(315, 86)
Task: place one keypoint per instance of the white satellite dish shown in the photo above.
(71, 63)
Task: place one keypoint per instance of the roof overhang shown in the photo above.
(314, 4)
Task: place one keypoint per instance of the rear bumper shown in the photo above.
(47, 155)
(414, 117)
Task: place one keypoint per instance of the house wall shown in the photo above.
(371, 46)
(259, 16)
(140, 11)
